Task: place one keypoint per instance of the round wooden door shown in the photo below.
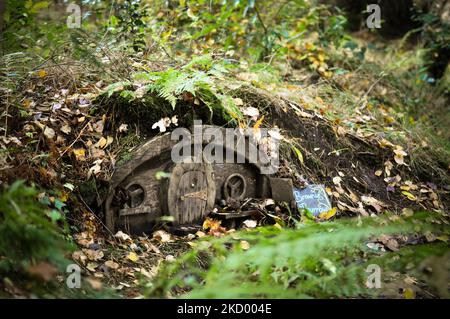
(191, 192)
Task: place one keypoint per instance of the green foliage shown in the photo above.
(27, 232)
(436, 36)
(316, 260)
(195, 82)
(130, 23)
(31, 236)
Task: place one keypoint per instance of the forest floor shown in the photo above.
(347, 130)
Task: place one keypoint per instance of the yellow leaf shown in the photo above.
(443, 238)
(132, 256)
(327, 215)
(409, 195)
(42, 73)
(385, 143)
(409, 294)
(109, 140)
(101, 142)
(80, 154)
(379, 172)
(258, 123)
(64, 197)
(298, 153)
(211, 224)
(321, 57)
(256, 126)
(26, 103)
(245, 245)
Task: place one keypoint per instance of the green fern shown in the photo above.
(198, 78)
(171, 83)
(318, 260)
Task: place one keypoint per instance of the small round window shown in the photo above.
(136, 195)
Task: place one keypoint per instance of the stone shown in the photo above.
(282, 189)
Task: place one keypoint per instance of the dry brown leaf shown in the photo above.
(111, 264)
(92, 254)
(162, 236)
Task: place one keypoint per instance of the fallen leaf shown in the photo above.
(385, 143)
(409, 294)
(123, 128)
(79, 256)
(91, 266)
(256, 131)
(252, 112)
(410, 280)
(162, 124)
(132, 256)
(388, 167)
(200, 234)
(101, 142)
(244, 244)
(304, 114)
(80, 154)
(162, 236)
(329, 214)
(49, 133)
(122, 236)
(211, 224)
(298, 153)
(109, 141)
(98, 126)
(250, 223)
(375, 203)
(443, 238)
(337, 180)
(410, 196)
(111, 264)
(399, 155)
(92, 254)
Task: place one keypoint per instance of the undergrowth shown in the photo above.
(324, 260)
(33, 248)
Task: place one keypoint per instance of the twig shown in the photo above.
(95, 215)
(369, 90)
(261, 20)
(71, 144)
